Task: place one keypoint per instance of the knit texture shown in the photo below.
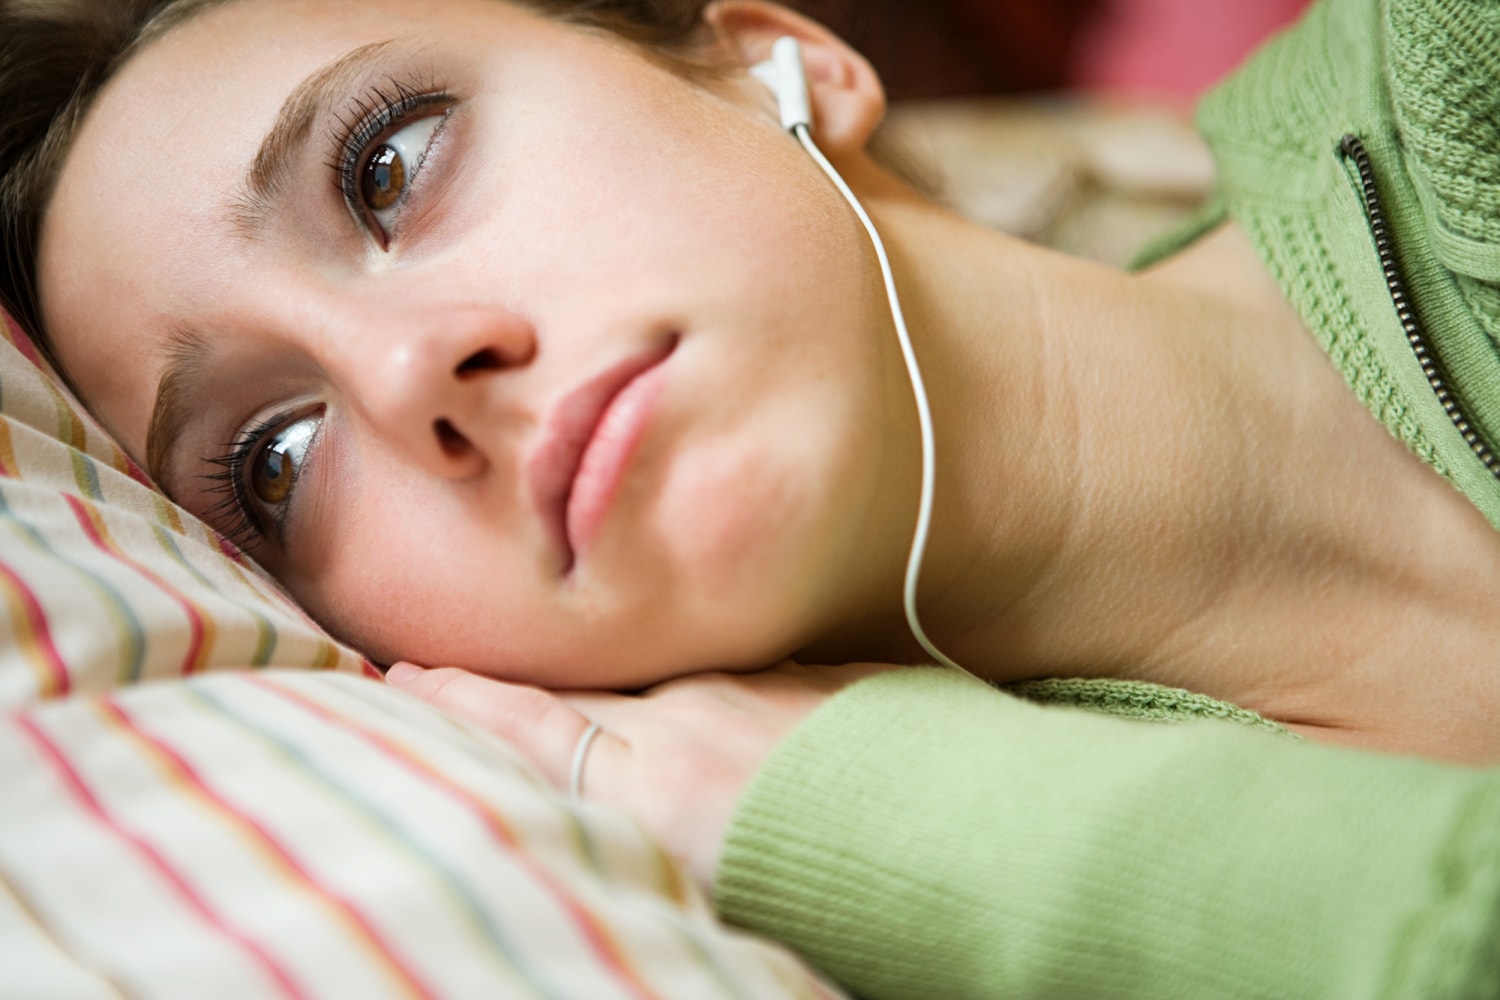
(923, 835)
(1443, 63)
(1418, 82)
(1138, 700)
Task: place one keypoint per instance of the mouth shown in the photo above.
(589, 438)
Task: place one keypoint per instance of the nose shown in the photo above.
(430, 380)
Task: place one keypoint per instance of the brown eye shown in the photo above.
(272, 479)
(387, 176)
(384, 180)
(274, 471)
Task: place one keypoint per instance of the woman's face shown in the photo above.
(499, 344)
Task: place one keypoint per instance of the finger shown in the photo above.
(595, 764)
(538, 723)
(613, 711)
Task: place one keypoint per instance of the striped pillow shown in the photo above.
(296, 834)
(279, 833)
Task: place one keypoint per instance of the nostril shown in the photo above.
(486, 360)
(450, 440)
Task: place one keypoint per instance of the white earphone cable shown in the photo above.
(919, 391)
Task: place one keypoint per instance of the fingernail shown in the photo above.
(402, 673)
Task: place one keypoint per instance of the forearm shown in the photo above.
(922, 835)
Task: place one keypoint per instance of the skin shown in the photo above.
(1163, 478)
(557, 216)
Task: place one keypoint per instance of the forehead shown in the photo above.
(161, 146)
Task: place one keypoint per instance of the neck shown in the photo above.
(1093, 457)
(1155, 476)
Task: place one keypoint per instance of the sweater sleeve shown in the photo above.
(924, 835)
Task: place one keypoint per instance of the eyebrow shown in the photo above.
(186, 351)
(315, 98)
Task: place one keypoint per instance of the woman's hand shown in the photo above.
(677, 757)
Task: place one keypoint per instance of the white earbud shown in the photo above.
(785, 75)
(787, 78)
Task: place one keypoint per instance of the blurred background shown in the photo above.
(1065, 122)
(1165, 49)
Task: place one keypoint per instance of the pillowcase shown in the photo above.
(306, 834)
(277, 833)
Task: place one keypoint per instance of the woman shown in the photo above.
(513, 344)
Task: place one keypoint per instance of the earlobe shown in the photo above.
(848, 101)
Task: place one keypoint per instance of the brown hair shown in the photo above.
(56, 55)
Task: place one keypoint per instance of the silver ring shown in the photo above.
(580, 754)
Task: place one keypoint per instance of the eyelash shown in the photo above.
(367, 120)
(242, 522)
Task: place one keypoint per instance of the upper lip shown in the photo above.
(568, 430)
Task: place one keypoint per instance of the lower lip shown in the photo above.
(608, 454)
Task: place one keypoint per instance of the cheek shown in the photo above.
(755, 520)
(731, 507)
(398, 565)
(390, 585)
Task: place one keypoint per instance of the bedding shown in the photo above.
(305, 831)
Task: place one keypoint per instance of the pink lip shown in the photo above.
(587, 443)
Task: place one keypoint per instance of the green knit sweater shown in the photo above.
(1417, 82)
(923, 835)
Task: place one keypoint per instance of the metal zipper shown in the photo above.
(1415, 335)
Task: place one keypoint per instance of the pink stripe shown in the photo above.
(21, 342)
(605, 948)
(192, 663)
(173, 878)
(136, 472)
(185, 774)
(41, 637)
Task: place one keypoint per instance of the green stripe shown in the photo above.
(86, 475)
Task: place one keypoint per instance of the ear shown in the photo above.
(848, 101)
